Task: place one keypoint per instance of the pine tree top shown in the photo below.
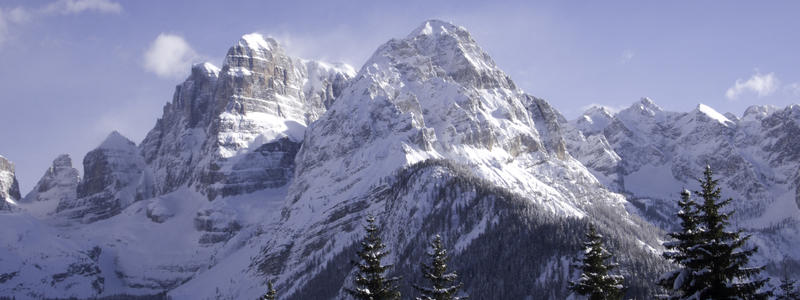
(595, 280)
(371, 284)
(711, 259)
(443, 286)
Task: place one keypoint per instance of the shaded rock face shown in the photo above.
(114, 178)
(173, 147)
(59, 182)
(271, 165)
(9, 187)
(222, 125)
(217, 225)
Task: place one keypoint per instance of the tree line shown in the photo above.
(712, 261)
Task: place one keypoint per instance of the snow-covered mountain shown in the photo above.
(429, 114)
(266, 168)
(650, 155)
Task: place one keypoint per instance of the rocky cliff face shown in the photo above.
(236, 130)
(9, 187)
(114, 177)
(59, 182)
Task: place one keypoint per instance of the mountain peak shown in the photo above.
(63, 160)
(648, 103)
(644, 106)
(257, 41)
(595, 119)
(436, 27)
(206, 69)
(116, 141)
(601, 110)
(438, 49)
(712, 114)
(758, 112)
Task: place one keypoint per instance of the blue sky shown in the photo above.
(74, 70)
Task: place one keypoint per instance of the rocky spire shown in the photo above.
(9, 187)
(59, 182)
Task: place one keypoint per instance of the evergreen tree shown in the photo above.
(443, 283)
(271, 293)
(788, 291)
(596, 282)
(371, 284)
(678, 281)
(719, 262)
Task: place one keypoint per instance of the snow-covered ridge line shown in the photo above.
(650, 155)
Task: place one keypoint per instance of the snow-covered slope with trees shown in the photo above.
(266, 168)
(650, 155)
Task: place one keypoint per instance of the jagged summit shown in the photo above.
(713, 114)
(646, 105)
(59, 182)
(599, 110)
(62, 161)
(256, 41)
(206, 68)
(437, 27)
(254, 50)
(448, 52)
(117, 141)
(758, 112)
(594, 120)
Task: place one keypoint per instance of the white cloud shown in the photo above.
(760, 84)
(67, 7)
(10, 18)
(169, 56)
(18, 15)
(626, 56)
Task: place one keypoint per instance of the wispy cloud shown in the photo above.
(760, 84)
(67, 7)
(11, 18)
(793, 89)
(169, 56)
(627, 56)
